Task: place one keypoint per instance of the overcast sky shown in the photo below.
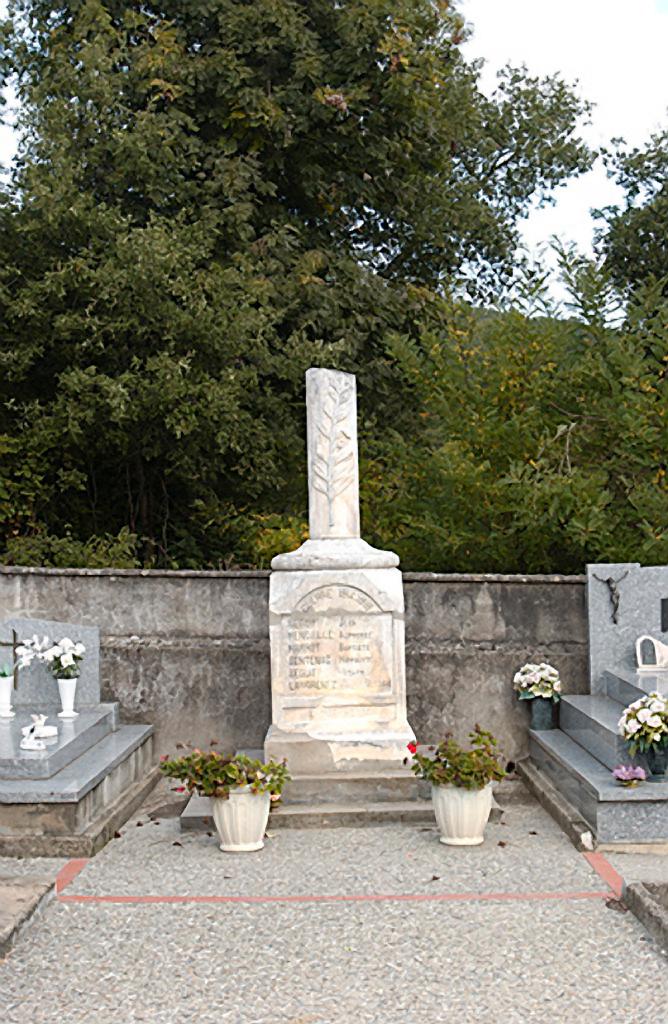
(616, 49)
(618, 53)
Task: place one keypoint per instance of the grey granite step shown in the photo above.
(591, 720)
(75, 737)
(625, 687)
(615, 814)
(76, 779)
(80, 794)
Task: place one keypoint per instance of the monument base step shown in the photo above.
(197, 815)
(72, 813)
(354, 787)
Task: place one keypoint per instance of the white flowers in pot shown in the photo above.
(644, 725)
(62, 660)
(537, 681)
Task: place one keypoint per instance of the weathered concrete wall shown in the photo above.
(189, 652)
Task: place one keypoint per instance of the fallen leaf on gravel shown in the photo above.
(501, 843)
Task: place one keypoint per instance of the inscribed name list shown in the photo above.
(338, 640)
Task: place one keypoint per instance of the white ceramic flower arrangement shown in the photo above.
(644, 726)
(62, 660)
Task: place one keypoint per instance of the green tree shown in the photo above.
(635, 238)
(542, 443)
(210, 196)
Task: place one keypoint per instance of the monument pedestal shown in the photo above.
(337, 666)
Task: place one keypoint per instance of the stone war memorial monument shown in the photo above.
(336, 612)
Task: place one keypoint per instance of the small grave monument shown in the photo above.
(67, 785)
(627, 609)
(336, 612)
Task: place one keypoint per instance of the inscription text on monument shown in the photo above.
(336, 640)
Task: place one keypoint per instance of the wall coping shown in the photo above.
(409, 577)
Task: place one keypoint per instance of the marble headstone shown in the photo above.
(336, 613)
(624, 601)
(37, 688)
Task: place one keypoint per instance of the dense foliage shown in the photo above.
(212, 774)
(213, 195)
(449, 764)
(635, 238)
(541, 444)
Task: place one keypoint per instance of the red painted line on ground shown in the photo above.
(605, 870)
(69, 872)
(340, 898)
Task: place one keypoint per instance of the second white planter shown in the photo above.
(6, 693)
(461, 814)
(67, 688)
(241, 820)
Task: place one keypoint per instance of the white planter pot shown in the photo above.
(461, 814)
(67, 689)
(241, 820)
(6, 692)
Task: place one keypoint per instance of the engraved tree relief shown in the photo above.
(333, 466)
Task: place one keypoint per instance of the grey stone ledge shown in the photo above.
(409, 577)
(76, 779)
(37, 570)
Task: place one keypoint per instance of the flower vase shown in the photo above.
(67, 689)
(542, 713)
(6, 689)
(657, 762)
(461, 814)
(241, 819)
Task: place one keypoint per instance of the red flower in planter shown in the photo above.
(412, 746)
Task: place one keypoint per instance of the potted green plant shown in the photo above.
(6, 690)
(240, 788)
(542, 686)
(461, 784)
(644, 726)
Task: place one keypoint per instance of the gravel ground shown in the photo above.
(535, 856)
(493, 962)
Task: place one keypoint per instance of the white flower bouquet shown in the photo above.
(62, 658)
(537, 681)
(28, 650)
(644, 724)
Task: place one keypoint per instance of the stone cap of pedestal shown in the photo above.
(343, 553)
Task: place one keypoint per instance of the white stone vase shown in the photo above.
(6, 691)
(241, 820)
(67, 689)
(461, 814)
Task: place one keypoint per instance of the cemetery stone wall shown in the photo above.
(189, 651)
